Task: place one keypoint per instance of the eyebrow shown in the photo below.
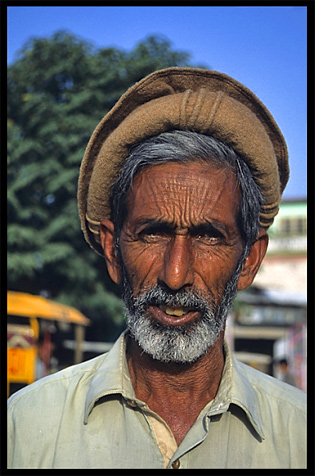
(201, 227)
(147, 223)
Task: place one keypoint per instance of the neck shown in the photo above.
(154, 380)
(176, 392)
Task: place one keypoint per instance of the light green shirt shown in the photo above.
(87, 416)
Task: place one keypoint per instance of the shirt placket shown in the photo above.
(197, 434)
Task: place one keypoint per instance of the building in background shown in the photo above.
(268, 322)
(285, 265)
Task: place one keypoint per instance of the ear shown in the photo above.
(253, 260)
(107, 241)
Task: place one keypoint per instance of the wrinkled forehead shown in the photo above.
(184, 194)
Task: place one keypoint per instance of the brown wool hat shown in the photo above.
(199, 100)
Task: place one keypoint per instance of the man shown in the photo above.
(284, 372)
(178, 186)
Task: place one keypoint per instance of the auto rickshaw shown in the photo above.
(23, 334)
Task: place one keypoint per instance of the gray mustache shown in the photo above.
(158, 296)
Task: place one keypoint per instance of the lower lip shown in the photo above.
(168, 320)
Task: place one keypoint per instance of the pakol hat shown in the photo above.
(193, 99)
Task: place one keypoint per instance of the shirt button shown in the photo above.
(176, 464)
(132, 403)
(163, 448)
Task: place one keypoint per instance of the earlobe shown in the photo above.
(108, 245)
(253, 261)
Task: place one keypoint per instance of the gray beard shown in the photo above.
(178, 344)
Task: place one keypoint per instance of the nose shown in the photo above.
(177, 271)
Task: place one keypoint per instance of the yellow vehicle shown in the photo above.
(23, 334)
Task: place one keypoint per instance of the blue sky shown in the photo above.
(262, 47)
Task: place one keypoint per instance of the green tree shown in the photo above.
(58, 90)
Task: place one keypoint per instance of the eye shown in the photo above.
(154, 234)
(208, 235)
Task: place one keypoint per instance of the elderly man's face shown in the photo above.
(180, 246)
(181, 230)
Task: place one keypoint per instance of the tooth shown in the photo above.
(174, 312)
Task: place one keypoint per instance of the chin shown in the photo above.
(175, 344)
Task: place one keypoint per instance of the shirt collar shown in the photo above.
(235, 388)
(112, 377)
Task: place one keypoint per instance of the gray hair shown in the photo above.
(185, 147)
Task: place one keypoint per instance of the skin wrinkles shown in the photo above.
(186, 205)
(182, 199)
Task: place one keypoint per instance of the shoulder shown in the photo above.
(278, 393)
(56, 387)
(71, 384)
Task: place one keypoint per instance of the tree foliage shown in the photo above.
(59, 88)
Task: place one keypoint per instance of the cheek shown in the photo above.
(141, 264)
(213, 268)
